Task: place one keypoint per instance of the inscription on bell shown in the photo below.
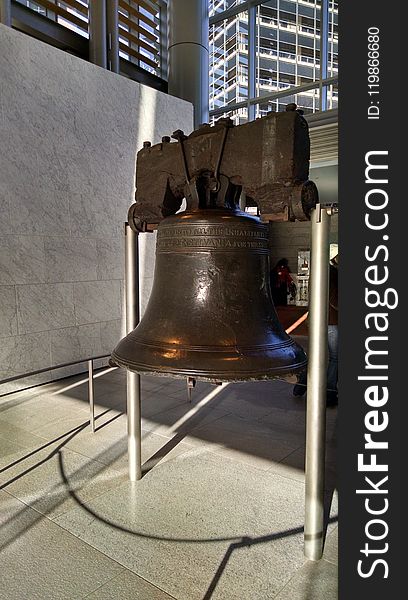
(175, 232)
(209, 242)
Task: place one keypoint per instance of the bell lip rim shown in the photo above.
(286, 343)
(223, 377)
(242, 375)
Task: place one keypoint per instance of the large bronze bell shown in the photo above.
(210, 315)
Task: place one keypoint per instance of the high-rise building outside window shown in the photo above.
(265, 55)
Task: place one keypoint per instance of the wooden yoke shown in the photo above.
(267, 158)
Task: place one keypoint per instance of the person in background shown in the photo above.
(332, 334)
(282, 283)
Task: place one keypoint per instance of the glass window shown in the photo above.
(289, 38)
(239, 116)
(139, 27)
(287, 46)
(229, 61)
(218, 6)
(306, 101)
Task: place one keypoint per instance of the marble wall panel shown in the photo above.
(51, 375)
(40, 210)
(108, 183)
(70, 259)
(16, 170)
(97, 301)
(22, 259)
(110, 257)
(102, 363)
(42, 307)
(73, 343)
(8, 311)
(111, 333)
(65, 90)
(24, 353)
(70, 133)
(102, 99)
(95, 219)
(63, 372)
(34, 380)
(4, 212)
(17, 47)
(158, 114)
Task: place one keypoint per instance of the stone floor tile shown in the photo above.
(108, 443)
(246, 441)
(47, 480)
(10, 451)
(314, 581)
(184, 420)
(128, 586)
(66, 426)
(38, 411)
(17, 434)
(39, 560)
(200, 522)
(293, 466)
(218, 514)
(255, 401)
(156, 450)
(331, 549)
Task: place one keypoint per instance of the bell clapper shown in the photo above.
(191, 382)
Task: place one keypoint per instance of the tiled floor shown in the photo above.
(218, 514)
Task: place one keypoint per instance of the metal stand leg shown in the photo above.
(133, 379)
(5, 12)
(91, 395)
(316, 385)
(134, 426)
(242, 201)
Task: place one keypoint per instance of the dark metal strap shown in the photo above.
(227, 124)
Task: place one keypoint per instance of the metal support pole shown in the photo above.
(5, 12)
(97, 33)
(188, 57)
(134, 415)
(91, 395)
(316, 384)
(113, 35)
(163, 39)
(242, 201)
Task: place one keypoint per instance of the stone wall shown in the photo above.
(69, 134)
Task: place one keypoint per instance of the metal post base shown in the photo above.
(316, 385)
(134, 426)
